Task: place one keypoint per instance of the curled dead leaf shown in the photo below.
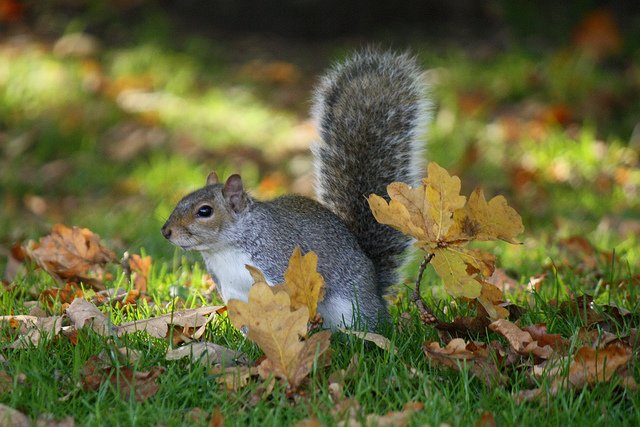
(71, 254)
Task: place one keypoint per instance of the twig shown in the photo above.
(426, 315)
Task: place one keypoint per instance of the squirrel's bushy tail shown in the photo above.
(371, 111)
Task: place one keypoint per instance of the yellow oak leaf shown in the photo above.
(302, 281)
(396, 215)
(273, 326)
(479, 220)
(413, 200)
(478, 261)
(443, 195)
(490, 297)
(314, 349)
(256, 274)
(451, 267)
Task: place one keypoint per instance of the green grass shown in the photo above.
(384, 381)
(62, 126)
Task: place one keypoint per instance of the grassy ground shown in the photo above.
(111, 139)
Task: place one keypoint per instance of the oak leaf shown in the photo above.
(436, 215)
(71, 254)
(278, 331)
(521, 341)
(142, 384)
(140, 266)
(479, 220)
(459, 353)
(302, 281)
(207, 352)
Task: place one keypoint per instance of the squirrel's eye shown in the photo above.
(205, 211)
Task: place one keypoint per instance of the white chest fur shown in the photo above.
(227, 268)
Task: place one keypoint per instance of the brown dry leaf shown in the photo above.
(539, 333)
(71, 254)
(379, 340)
(157, 327)
(140, 266)
(425, 212)
(479, 220)
(390, 419)
(143, 384)
(80, 311)
(302, 281)
(32, 329)
(236, 377)
(208, 352)
(15, 265)
(486, 420)
(217, 420)
(396, 215)
(13, 417)
(315, 348)
(64, 295)
(521, 341)
(457, 353)
(590, 366)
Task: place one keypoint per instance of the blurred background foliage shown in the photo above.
(110, 111)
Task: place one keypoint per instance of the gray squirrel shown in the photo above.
(370, 112)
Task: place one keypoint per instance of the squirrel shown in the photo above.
(370, 111)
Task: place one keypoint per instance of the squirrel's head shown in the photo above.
(199, 219)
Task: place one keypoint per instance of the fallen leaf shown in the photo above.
(379, 340)
(71, 254)
(32, 329)
(491, 297)
(13, 417)
(6, 382)
(235, 377)
(157, 327)
(140, 267)
(64, 295)
(539, 334)
(143, 384)
(590, 366)
(521, 341)
(82, 311)
(390, 419)
(278, 332)
(457, 354)
(486, 420)
(207, 352)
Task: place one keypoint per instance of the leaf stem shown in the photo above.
(426, 315)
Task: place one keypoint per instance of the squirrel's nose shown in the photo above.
(166, 231)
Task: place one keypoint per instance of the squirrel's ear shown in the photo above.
(212, 178)
(234, 193)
